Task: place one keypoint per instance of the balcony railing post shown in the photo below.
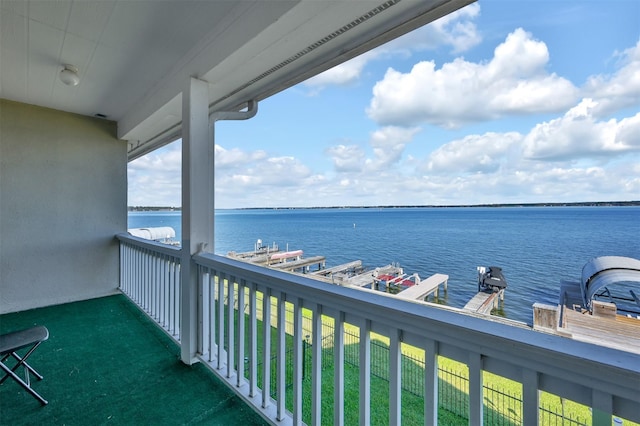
(316, 369)
(281, 357)
(395, 377)
(476, 399)
(365, 372)
(602, 407)
(530, 397)
(188, 311)
(338, 368)
(431, 383)
(253, 340)
(204, 314)
(230, 324)
(220, 320)
(241, 336)
(213, 316)
(298, 361)
(266, 347)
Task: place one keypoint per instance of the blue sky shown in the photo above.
(501, 102)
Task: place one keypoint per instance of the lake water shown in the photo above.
(536, 246)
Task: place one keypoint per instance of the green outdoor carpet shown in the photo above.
(106, 363)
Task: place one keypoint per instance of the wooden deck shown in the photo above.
(570, 295)
(603, 327)
(484, 303)
(425, 287)
(619, 332)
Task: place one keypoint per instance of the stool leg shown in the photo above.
(21, 382)
(26, 366)
(22, 361)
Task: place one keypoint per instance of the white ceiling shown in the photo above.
(135, 56)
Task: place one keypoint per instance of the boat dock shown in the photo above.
(425, 287)
(605, 321)
(389, 279)
(484, 303)
(368, 279)
(338, 269)
(259, 255)
(302, 264)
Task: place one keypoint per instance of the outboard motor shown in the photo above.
(491, 279)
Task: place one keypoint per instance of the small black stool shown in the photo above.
(10, 343)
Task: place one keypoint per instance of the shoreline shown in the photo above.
(490, 205)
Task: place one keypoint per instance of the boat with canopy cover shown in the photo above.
(614, 279)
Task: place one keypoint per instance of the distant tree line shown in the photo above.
(152, 208)
(572, 204)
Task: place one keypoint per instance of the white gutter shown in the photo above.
(252, 110)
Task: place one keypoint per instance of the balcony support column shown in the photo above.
(197, 206)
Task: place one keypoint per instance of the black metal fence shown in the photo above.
(551, 417)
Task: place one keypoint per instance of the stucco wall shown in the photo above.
(63, 195)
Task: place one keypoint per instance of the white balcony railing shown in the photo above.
(150, 276)
(267, 365)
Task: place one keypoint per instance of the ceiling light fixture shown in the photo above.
(69, 75)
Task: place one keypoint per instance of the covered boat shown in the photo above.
(614, 279)
(161, 234)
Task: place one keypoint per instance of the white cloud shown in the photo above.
(578, 134)
(514, 82)
(345, 158)
(455, 30)
(230, 158)
(529, 183)
(343, 74)
(474, 153)
(155, 179)
(167, 159)
(620, 90)
(388, 144)
(584, 153)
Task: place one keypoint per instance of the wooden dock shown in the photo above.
(368, 278)
(617, 332)
(484, 303)
(603, 326)
(570, 295)
(340, 268)
(425, 287)
(302, 263)
(360, 280)
(257, 257)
